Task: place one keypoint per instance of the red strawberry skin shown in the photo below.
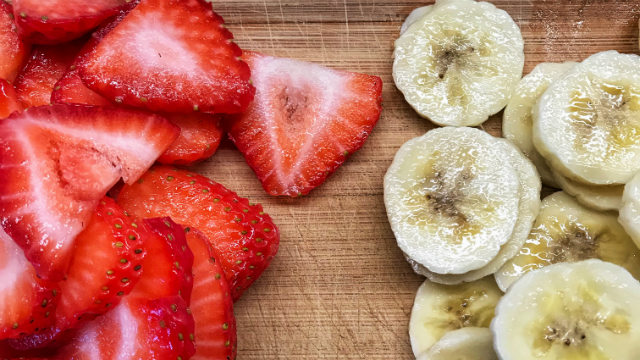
(305, 121)
(13, 50)
(168, 262)
(105, 266)
(243, 237)
(27, 302)
(200, 136)
(159, 267)
(57, 21)
(59, 161)
(211, 302)
(155, 59)
(8, 99)
(138, 328)
(44, 67)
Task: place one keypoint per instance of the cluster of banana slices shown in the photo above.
(509, 276)
(580, 124)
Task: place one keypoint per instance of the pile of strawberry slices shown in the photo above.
(107, 251)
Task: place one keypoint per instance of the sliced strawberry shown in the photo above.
(13, 50)
(156, 59)
(211, 302)
(56, 21)
(106, 265)
(157, 265)
(136, 329)
(27, 303)
(59, 161)
(43, 69)
(305, 121)
(167, 264)
(200, 136)
(8, 99)
(71, 90)
(243, 237)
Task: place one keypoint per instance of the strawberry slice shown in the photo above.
(56, 21)
(136, 329)
(71, 90)
(106, 264)
(8, 99)
(305, 121)
(168, 262)
(211, 303)
(59, 161)
(43, 69)
(243, 237)
(157, 264)
(155, 59)
(200, 136)
(13, 50)
(26, 302)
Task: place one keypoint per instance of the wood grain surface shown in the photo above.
(339, 288)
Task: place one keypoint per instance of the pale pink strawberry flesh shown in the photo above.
(58, 161)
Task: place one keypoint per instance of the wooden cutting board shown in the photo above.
(339, 288)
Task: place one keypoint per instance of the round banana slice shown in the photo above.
(583, 310)
(463, 344)
(587, 124)
(439, 309)
(452, 199)
(629, 216)
(517, 122)
(565, 231)
(460, 63)
(599, 197)
(528, 209)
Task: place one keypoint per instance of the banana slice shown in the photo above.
(517, 121)
(459, 64)
(598, 197)
(452, 199)
(630, 210)
(463, 344)
(439, 309)
(528, 209)
(414, 17)
(418, 13)
(583, 310)
(565, 231)
(587, 124)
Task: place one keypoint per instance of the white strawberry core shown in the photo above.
(129, 330)
(163, 46)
